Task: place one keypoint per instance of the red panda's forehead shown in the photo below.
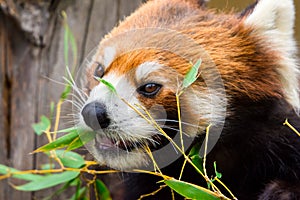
(127, 63)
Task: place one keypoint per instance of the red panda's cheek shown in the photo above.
(165, 99)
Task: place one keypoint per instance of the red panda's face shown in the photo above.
(147, 57)
(146, 80)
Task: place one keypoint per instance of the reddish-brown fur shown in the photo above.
(223, 37)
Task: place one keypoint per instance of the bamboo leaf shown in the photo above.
(195, 157)
(218, 174)
(59, 143)
(59, 191)
(41, 126)
(84, 137)
(67, 130)
(102, 190)
(80, 194)
(191, 191)
(52, 105)
(192, 74)
(74, 49)
(48, 181)
(66, 92)
(109, 85)
(70, 159)
(48, 166)
(27, 177)
(66, 39)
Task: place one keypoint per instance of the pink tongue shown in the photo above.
(105, 143)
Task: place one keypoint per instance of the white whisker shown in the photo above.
(74, 103)
(76, 89)
(176, 121)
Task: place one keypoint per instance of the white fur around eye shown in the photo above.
(146, 68)
(109, 55)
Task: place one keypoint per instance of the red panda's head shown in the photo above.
(244, 56)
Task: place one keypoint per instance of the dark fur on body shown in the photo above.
(257, 155)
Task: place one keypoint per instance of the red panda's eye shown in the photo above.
(99, 70)
(149, 89)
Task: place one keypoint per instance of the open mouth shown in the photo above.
(105, 143)
(155, 143)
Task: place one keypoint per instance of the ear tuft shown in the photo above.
(273, 14)
(274, 21)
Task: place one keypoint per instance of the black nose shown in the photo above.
(95, 115)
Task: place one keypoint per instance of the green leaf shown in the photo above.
(109, 85)
(67, 130)
(75, 182)
(51, 109)
(48, 166)
(28, 177)
(48, 181)
(69, 39)
(80, 194)
(84, 137)
(73, 140)
(74, 49)
(42, 126)
(102, 190)
(191, 191)
(66, 92)
(192, 74)
(66, 38)
(59, 143)
(195, 157)
(59, 191)
(75, 144)
(219, 175)
(70, 159)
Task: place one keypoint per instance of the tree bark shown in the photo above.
(31, 55)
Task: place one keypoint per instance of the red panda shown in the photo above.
(247, 86)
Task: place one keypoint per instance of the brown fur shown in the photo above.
(222, 36)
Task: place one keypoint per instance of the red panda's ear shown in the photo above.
(274, 21)
(200, 3)
(267, 15)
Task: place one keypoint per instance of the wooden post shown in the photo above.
(31, 53)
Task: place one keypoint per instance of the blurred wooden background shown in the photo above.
(31, 48)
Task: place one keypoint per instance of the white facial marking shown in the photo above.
(125, 124)
(109, 55)
(274, 19)
(144, 69)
